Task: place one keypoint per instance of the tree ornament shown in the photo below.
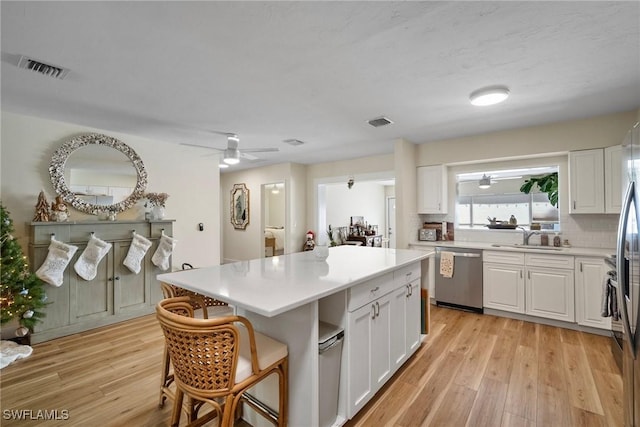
(21, 331)
(28, 314)
(24, 291)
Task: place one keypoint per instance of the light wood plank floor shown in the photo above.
(475, 370)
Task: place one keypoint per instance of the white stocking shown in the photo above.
(165, 248)
(87, 264)
(138, 249)
(57, 260)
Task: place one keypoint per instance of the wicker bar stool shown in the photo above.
(201, 307)
(220, 358)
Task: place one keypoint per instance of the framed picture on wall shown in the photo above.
(239, 206)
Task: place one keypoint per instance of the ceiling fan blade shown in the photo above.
(259, 150)
(248, 156)
(202, 146)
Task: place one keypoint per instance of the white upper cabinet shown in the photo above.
(613, 179)
(595, 180)
(432, 189)
(586, 181)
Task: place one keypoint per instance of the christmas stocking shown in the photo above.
(57, 260)
(87, 264)
(165, 248)
(139, 247)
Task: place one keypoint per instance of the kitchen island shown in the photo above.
(372, 293)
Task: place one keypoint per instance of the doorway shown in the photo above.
(274, 216)
(338, 199)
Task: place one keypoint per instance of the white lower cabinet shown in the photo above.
(535, 284)
(590, 274)
(550, 293)
(503, 287)
(381, 334)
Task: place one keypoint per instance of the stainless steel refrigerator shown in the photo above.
(628, 266)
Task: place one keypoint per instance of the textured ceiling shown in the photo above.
(317, 71)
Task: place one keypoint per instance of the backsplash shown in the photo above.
(584, 231)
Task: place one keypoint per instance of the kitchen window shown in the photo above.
(503, 199)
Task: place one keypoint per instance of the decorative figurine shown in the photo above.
(59, 212)
(42, 209)
(309, 244)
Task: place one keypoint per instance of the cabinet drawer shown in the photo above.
(370, 290)
(406, 274)
(504, 257)
(550, 261)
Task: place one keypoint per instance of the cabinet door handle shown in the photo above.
(377, 309)
(376, 289)
(580, 267)
(110, 279)
(116, 278)
(521, 274)
(529, 275)
(373, 311)
(574, 204)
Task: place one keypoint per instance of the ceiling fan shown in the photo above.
(233, 153)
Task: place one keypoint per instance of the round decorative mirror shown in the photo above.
(97, 173)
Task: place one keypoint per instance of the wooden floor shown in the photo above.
(475, 370)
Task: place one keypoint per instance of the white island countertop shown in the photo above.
(271, 286)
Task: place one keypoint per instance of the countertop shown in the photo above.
(576, 251)
(271, 286)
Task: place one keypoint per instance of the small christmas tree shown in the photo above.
(22, 293)
(42, 208)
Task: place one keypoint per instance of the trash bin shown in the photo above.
(330, 339)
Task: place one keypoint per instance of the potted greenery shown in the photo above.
(546, 183)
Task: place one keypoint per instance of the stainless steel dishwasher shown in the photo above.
(464, 289)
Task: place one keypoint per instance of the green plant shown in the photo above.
(546, 183)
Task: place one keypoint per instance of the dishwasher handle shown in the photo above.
(466, 255)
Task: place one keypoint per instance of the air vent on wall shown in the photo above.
(379, 121)
(42, 68)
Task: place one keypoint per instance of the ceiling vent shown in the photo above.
(294, 142)
(43, 68)
(380, 121)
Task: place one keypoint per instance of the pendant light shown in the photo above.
(485, 182)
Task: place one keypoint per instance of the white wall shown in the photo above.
(27, 144)
(249, 243)
(365, 199)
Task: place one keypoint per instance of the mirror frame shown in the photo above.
(59, 160)
(239, 191)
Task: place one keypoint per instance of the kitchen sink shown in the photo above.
(521, 246)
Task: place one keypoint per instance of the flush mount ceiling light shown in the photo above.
(223, 165)
(489, 95)
(275, 189)
(485, 182)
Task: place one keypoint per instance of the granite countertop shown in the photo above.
(576, 251)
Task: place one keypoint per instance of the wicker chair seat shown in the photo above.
(269, 352)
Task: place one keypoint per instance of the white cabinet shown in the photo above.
(590, 274)
(550, 293)
(613, 179)
(503, 287)
(535, 284)
(383, 331)
(405, 320)
(432, 189)
(595, 180)
(369, 347)
(586, 181)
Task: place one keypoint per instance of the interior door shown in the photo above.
(391, 221)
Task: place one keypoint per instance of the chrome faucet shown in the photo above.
(526, 235)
